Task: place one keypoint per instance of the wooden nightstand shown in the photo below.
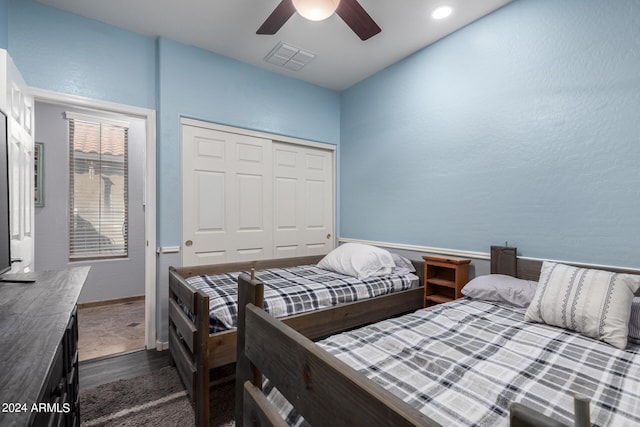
(444, 277)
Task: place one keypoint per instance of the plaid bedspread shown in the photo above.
(463, 363)
(293, 290)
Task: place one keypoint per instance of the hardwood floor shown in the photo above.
(122, 366)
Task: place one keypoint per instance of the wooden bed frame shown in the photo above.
(323, 388)
(326, 391)
(196, 353)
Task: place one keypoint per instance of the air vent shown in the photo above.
(289, 57)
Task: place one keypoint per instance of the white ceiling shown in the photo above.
(228, 27)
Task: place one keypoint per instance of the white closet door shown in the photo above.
(227, 212)
(303, 200)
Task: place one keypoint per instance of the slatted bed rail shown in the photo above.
(182, 330)
(314, 381)
(192, 348)
(198, 270)
(188, 340)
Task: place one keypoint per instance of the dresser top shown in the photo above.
(33, 320)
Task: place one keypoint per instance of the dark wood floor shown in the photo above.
(128, 365)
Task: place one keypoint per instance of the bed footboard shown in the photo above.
(188, 342)
(323, 389)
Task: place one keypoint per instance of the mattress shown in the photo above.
(294, 290)
(464, 362)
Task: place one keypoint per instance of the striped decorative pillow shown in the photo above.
(595, 303)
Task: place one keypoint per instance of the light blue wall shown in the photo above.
(199, 84)
(4, 24)
(67, 53)
(524, 126)
(63, 52)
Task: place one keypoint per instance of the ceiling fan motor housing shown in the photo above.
(316, 10)
(351, 12)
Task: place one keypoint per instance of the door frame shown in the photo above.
(259, 134)
(149, 197)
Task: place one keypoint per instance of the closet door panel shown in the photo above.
(303, 178)
(227, 197)
(210, 209)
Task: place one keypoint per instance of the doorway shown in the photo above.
(113, 280)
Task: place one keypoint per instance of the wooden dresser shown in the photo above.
(39, 351)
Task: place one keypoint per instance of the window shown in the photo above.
(98, 188)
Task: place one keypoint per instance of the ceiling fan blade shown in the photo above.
(278, 17)
(357, 19)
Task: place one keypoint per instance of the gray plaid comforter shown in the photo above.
(294, 290)
(463, 363)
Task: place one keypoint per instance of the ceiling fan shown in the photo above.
(350, 11)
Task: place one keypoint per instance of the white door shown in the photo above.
(21, 172)
(303, 206)
(227, 212)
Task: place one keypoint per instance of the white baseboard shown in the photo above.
(161, 346)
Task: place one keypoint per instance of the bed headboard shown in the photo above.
(504, 260)
(419, 266)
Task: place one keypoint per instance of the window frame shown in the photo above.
(107, 127)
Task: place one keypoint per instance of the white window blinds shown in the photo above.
(98, 189)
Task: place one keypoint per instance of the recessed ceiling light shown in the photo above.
(441, 12)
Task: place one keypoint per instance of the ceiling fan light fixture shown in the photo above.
(316, 10)
(441, 12)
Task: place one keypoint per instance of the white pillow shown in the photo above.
(358, 260)
(501, 288)
(402, 263)
(595, 303)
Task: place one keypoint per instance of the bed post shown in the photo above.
(522, 416)
(172, 296)
(249, 291)
(202, 361)
(504, 260)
